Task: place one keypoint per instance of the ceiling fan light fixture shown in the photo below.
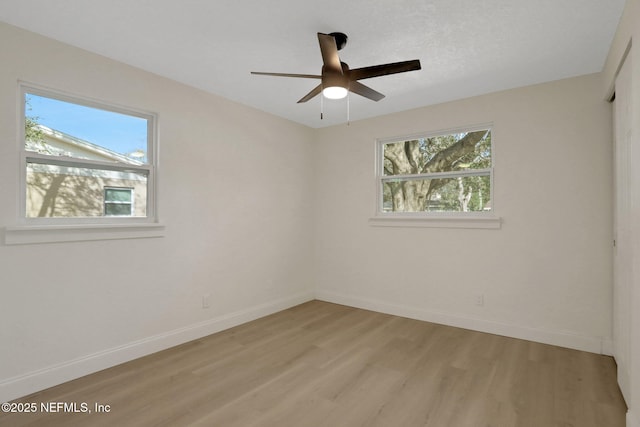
(335, 92)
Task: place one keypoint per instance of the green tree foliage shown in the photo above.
(446, 153)
(32, 132)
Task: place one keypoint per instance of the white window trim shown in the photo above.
(441, 221)
(48, 230)
(32, 234)
(485, 220)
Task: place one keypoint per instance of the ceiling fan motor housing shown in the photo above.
(331, 77)
(341, 39)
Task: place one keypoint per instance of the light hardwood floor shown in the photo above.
(321, 364)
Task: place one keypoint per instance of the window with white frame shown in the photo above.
(118, 201)
(447, 172)
(85, 161)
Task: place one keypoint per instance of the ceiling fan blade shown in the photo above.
(316, 91)
(366, 91)
(385, 69)
(329, 51)
(304, 76)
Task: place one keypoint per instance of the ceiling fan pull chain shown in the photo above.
(321, 104)
(348, 108)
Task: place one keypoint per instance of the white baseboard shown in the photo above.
(31, 382)
(22, 385)
(561, 339)
(632, 420)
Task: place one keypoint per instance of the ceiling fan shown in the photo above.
(337, 80)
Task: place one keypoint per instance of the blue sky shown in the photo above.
(121, 133)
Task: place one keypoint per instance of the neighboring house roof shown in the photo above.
(58, 143)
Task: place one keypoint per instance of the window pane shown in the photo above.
(461, 194)
(61, 191)
(62, 128)
(117, 195)
(444, 153)
(111, 209)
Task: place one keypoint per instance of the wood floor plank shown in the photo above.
(321, 364)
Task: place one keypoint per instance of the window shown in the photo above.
(118, 201)
(85, 162)
(449, 173)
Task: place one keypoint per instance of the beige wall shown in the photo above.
(233, 196)
(545, 275)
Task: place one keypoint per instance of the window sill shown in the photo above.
(437, 222)
(24, 235)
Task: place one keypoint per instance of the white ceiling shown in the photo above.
(467, 47)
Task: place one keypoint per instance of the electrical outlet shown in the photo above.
(206, 301)
(479, 298)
